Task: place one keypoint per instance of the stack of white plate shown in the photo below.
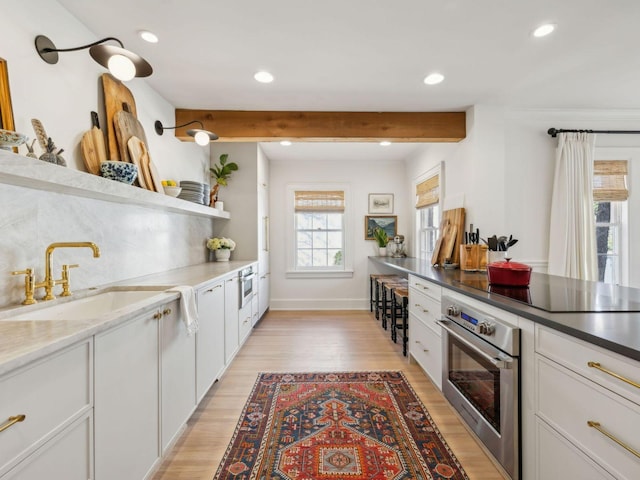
(192, 191)
(206, 193)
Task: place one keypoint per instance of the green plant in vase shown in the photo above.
(221, 172)
(382, 239)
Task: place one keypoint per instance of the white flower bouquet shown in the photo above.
(221, 243)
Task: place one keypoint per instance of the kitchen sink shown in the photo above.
(94, 305)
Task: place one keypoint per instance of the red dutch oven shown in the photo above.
(509, 274)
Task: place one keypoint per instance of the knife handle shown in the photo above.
(95, 121)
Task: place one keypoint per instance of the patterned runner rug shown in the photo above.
(337, 426)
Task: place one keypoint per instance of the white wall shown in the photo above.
(63, 95)
(505, 168)
(363, 177)
(134, 241)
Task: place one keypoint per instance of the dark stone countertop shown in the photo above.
(618, 331)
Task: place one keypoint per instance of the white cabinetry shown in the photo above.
(55, 395)
(210, 358)
(231, 307)
(127, 407)
(424, 333)
(178, 374)
(244, 322)
(575, 399)
(263, 236)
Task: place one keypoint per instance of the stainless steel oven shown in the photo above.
(480, 378)
(247, 279)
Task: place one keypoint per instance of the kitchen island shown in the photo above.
(601, 314)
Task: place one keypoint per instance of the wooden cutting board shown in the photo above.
(126, 126)
(115, 94)
(140, 157)
(452, 236)
(93, 147)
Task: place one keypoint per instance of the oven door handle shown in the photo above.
(498, 362)
(248, 277)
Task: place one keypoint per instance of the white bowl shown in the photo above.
(172, 191)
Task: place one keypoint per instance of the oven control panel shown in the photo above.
(496, 332)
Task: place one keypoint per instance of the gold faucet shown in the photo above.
(30, 285)
(49, 281)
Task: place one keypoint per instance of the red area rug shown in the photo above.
(338, 426)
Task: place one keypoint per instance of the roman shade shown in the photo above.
(319, 201)
(609, 181)
(428, 192)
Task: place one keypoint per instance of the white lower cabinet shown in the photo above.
(127, 399)
(68, 456)
(425, 347)
(210, 358)
(231, 312)
(55, 395)
(178, 374)
(591, 412)
(244, 322)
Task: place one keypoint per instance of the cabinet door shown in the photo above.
(244, 322)
(210, 337)
(66, 456)
(263, 294)
(178, 373)
(127, 392)
(231, 307)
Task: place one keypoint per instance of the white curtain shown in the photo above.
(572, 235)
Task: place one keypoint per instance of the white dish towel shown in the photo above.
(188, 307)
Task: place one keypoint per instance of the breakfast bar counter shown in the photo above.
(598, 313)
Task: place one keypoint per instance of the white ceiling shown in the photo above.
(372, 55)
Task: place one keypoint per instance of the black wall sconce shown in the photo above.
(201, 136)
(122, 63)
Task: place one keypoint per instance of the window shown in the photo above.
(610, 209)
(427, 215)
(319, 231)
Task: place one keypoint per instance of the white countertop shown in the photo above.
(24, 341)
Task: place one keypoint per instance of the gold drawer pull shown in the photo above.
(166, 311)
(423, 349)
(424, 310)
(424, 287)
(217, 286)
(11, 421)
(597, 366)
(599, 428)
(157, 316)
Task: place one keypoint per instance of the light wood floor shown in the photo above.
(313, 342)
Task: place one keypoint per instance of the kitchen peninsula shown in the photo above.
(578, 364)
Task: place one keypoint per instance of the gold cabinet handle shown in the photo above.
(157, 316)
(597, 366)
(12, 421)
(599, 428)
(423, 349)
(217, 286)
(424, 287)
(166, 311)
(424, 310)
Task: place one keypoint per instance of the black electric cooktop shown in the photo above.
(559, 294)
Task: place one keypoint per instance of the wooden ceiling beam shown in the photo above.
(261, 126)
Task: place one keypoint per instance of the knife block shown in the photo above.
(473, 257)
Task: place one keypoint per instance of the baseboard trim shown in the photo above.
(319, 304)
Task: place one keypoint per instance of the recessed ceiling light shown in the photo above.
(385, 143)
(433, 78)
(544, 30)
(263, 77)
(285, 143)
(148, 36)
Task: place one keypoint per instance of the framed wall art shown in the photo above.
(6, 111)
(389, 223)
(380, 203)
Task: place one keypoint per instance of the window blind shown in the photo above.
(319, 201)
(609, 181)
(428, 192)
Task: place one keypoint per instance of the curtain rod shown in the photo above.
(555, 131)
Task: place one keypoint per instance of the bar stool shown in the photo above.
(373, 289)
(400, 305)
(378, 280)
(388, 285)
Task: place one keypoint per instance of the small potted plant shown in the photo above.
(221, 172)
(221, 247)
(382, 239)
